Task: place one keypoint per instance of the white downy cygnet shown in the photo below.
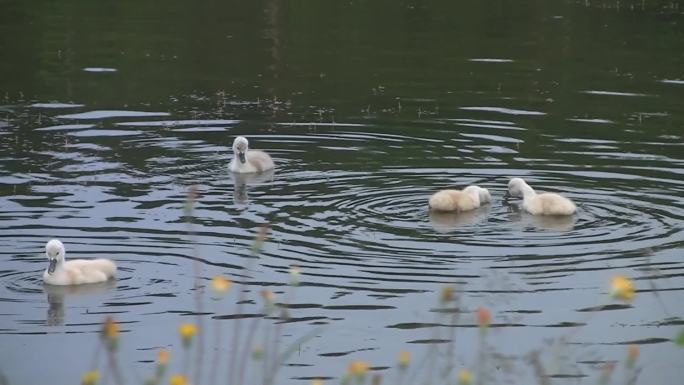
(540, 204)
(246, 160)
(76, 272)
(467, 199)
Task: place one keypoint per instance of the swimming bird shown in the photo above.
(469, 198)
(246, 160)
(540, 204)
(76, 272)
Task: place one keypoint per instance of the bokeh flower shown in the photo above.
(220, 285)
(465, 377)
(632, 354)
(162, 361)
(484, 317)
(621, 288)
(358, 368)
(187, 331)
(178, 379)
(294, 275)
(90, 377)
(269, 299)
(163, 356)
(110, 329)
(447, 294)
(404, 359)
(607, 372)
(316, 381)
(257, 352)
(259, 239)
(190, 201)
(110, 333)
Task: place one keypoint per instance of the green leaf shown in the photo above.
(679, 340)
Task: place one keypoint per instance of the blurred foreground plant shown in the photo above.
(679, 339)
(178, 379)
(622, 288)
(465, 377)
(267, 356)
(187, 331)
(90, 377)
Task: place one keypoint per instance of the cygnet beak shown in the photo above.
(53, 265)
(241, 155)
(507, 195)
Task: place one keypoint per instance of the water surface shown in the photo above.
(110, 112)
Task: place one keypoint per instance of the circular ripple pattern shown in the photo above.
(23, 284)
(346, 204)
(360, 193)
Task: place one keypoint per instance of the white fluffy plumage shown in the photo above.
(76, 272)
(467, 199)
(246, 160)
(540, 204)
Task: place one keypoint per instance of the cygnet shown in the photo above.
(246, 160)
(467, 199)
(76, 272)
(540, 204)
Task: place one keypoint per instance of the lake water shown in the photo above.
(109, 112)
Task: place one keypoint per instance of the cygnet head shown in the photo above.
(516, 187)
(481, 193)
(485, 197)
(54, 250)
(240, 146)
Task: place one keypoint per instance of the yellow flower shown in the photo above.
(447, 293)
(187, 331)
(622, 288)
(110, 329)
(464, 377)
(90, 378)
(178, 379)
(220, 285)
(357, 368)
(404, 358)
(163, 356)
(316, 381)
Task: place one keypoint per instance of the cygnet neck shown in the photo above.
(527, 191)
(473, 192)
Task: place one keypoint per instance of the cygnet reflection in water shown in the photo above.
(56, 295)
(241, 181)
(541, 222)
(448, 221)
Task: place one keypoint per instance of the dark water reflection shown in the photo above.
(111, 111)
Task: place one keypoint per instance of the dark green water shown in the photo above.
(109, 111)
